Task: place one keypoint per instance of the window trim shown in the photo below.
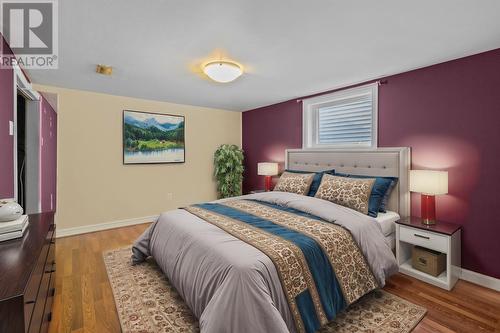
(310, 116)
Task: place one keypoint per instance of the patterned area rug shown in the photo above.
(146, 302)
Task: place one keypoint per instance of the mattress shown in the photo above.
(387, 222)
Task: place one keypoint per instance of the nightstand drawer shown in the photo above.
(423, 238)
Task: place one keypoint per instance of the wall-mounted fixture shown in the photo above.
(222, 71)
(104, 70)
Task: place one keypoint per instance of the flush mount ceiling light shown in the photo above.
(222, 71)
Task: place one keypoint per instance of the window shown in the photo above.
(346, 118)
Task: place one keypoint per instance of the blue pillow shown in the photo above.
(380, 188)
(387, 194)
(316, 180)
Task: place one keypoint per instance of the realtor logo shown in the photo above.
(30, 29)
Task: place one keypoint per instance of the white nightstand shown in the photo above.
(443, 237)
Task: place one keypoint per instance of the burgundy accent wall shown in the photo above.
(48, 156)
(6, 140)
(449, 114)
(267, 132)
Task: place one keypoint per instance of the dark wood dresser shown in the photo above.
(27, 274)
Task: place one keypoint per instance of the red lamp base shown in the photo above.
(268, 180)
(428, 209)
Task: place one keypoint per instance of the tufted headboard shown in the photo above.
(389, 162)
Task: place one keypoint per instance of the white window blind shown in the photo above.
(343, 119)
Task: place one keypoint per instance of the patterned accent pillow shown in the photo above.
(353, 193)
(295, 182)
(380, 190)
(316, 180)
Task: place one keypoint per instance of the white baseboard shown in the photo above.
(104, 226)
(481, 279)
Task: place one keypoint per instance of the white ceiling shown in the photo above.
(289, 48)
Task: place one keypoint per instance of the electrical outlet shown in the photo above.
(169, 196)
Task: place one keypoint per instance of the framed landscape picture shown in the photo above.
(152, 138)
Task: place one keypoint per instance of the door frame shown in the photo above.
(24, 87)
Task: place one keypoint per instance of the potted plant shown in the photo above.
(228, 161)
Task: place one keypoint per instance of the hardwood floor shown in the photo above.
(84, 300)
(467, 308)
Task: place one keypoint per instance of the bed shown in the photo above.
(277, 261)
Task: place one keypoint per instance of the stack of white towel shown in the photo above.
(13, 229)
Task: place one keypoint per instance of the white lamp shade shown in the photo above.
(429, 182)
(222, 71)
(267, 169)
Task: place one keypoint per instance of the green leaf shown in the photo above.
(228, 171)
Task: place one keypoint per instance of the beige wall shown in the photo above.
(93, 186)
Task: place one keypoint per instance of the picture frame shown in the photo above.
(153, 138)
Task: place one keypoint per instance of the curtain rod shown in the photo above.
(379, 82)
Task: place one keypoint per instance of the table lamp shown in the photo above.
(268, 170)
(429, 183)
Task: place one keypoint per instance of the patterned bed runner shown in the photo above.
(321, 268)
